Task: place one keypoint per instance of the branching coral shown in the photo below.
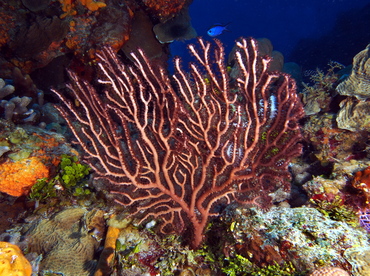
(5, 89)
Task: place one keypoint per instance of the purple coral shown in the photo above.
(364, 219)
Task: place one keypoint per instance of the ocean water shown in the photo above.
(309, 32)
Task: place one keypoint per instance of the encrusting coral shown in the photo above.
(301, 233)
(12, 261)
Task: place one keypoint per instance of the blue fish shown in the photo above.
(217, 29)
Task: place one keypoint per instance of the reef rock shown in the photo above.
(358, 82)
(359, 258)
(303, 236)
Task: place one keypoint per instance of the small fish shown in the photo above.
(217, 29)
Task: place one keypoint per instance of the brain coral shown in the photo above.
(68, 241)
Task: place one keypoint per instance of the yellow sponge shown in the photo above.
(12, 261)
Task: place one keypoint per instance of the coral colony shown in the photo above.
(364, 218)
(176, 148)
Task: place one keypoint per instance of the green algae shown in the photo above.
(240, 266)
(337, 210)
(18, 136)
(69, 179)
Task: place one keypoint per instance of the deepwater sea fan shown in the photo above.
(176, 147)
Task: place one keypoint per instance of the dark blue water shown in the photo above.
(309, 32)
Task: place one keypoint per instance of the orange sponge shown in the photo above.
(69, 8)
(17, 178)
(12, 261)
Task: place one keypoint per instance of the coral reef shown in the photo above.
(17, 109)
(219, 139)
(340, 195)
(68, 6)
(358, 82)
(12, 261)
(69, 179)
(265, 48)
(140, 252)
(17, 178)
(5, 89)
(212, 136)
(361, 181)
(329, 271)
(106, 260)
(29, 155)
(142, 29)
(354, 115)
(318, 96)
(329, 143)
(35, 33)
(176, 28)
(359, 258)
(364, 218)
(68, 241)
(165, 9)
(21, 102)
(303, 236)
